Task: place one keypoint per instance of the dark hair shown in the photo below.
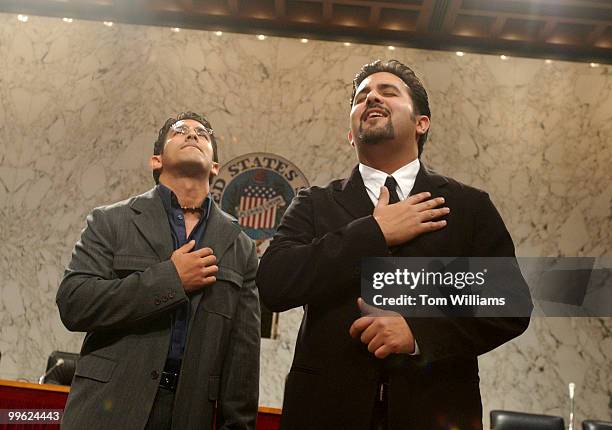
(406, 74)
(158, 146)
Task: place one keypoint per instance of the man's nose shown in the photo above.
(192, 134)
(373, 97)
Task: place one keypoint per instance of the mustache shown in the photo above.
(374, 106)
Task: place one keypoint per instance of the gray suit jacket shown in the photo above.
(121, 288)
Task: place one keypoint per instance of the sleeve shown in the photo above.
(237, 408)
(440, 338)
(92, 297)
(299, 267)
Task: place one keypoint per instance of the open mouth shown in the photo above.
(374, 113)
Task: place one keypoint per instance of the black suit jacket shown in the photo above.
(314, 261)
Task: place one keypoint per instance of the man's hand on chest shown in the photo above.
(195, 268)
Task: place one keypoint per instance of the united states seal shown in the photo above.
(256, 189)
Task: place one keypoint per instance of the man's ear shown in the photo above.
(422, 124)
(155, 162)
(350, 138)
(214, 170)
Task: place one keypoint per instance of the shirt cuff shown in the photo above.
(417, 351)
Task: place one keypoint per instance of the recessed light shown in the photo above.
(261, 37)
(548, 61)
(108, 23)
(22, 18)
(176, 29)
(391, 48)
(460, 53)
(594, 64)
(503, 57)
(67, 20)
(347, 43)
(304, 40)
(219, 33)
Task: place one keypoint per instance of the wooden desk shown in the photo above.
(25, 395)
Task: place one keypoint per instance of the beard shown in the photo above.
(377, 134)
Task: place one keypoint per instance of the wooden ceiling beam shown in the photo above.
(571, 3)
(532, 17)
(327, 10)
(233, 6)
(597, 32)
(374, 16)
(425, 15)
(187, 5)
(548, 29)
(280, 7)
(451, 15)
(498, 26)
(370, 3)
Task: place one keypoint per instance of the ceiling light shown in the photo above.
(23, 18)
(503, 57)
(594, 64)
(304, 40)
(261, 37)
(67, 20)
(176, 29)
(391, 48)
(219, 33)
(108, 23)
(460, 53)
(548, 61)
(347, 43)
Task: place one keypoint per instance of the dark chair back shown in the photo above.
(596, 425)
(508, 420)
(61, 374)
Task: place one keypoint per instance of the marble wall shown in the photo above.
(80, 104)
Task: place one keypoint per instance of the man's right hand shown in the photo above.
(196, 269)
(405, 220)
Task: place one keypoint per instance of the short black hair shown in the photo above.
(406, 74)
(158, 146)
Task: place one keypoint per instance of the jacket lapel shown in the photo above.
(351, 194)
(427, 180)
(152, 222)
(221, 231)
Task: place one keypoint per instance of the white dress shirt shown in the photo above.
(405, 176)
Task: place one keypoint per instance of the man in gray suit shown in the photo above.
(164, 285)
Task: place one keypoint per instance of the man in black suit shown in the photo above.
(359, 372)
(164, 285)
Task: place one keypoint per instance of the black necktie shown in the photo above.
(391, 185)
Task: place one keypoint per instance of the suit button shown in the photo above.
(154, 374)
(165, 298)
(157, 301)
(171, 294)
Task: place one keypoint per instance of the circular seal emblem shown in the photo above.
(256, 189)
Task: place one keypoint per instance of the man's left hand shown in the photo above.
(385, 332)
